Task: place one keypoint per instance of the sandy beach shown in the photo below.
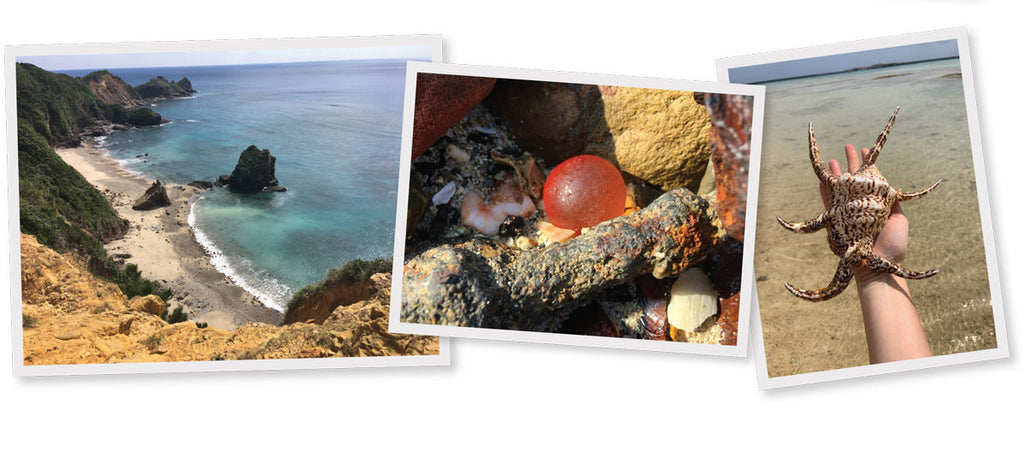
(163, 246)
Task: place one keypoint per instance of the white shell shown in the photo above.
(693, 300)
(444, 195)
(456, 153)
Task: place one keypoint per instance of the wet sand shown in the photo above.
(160, 241)
(929, 141)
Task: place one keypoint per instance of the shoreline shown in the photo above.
(163, 245)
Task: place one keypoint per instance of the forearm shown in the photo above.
(891, 323)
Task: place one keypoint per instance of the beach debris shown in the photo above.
(482, 283)
(732, 117)
(154, 197)
(457, 154)
(487, 215)
(583, 191)
(528, 175)
(553, 232)
(693, 301)
(444, 195)
(512, 226)
(254, 172)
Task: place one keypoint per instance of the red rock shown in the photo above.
(729, 318)
(731, 116)
(441, 100)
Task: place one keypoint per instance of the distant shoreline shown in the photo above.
(870, 67)
(163, 245)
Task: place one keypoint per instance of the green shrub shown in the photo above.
(28, 322)
(354, 271)
(177, 316)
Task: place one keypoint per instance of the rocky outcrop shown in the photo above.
(186, 85)
(254, 172)
(71, 317)
(317, 307)
(441, 100)
(659, 136)
(154, 197)
(160, 88)
(553, 120)
(111, 89)
(732, 117)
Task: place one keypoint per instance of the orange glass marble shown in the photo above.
(583, 191)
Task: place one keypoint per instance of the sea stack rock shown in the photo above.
(155, 196)
(159, 88)
(254, 172)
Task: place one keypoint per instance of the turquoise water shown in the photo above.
(335, 129)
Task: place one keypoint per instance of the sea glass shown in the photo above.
(583, 191)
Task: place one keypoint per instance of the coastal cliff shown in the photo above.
(357, 280)
(71, 317)
(111, 89)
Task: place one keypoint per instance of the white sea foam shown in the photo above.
(271, 292)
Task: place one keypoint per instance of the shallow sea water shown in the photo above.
(930, 140)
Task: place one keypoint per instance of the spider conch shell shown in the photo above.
(693, 300)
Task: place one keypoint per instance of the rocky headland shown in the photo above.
(160, 88)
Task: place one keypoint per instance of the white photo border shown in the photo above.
(434, 42)
(1002, 348)
(396, 325)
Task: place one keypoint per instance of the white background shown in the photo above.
(516, 397)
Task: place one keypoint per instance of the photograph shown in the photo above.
(221, 205)
(577, 209)
(874, 248)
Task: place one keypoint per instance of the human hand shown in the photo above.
(891, 243)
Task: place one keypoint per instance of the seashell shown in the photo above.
(457, 153)
(444, 195)
(693, 300)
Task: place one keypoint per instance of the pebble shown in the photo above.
(444, 195)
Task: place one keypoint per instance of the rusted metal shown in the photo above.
(480, 283)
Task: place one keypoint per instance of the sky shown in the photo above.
(843, 62)
(205, 58)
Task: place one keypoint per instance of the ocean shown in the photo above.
(335, 128)
(930, 140)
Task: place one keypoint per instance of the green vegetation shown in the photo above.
(56, 204)
(352, 272)
(154, 341)
(28, 322)
(160, 87)
(139, 117)
(177, 316)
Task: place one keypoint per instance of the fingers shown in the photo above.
(896, 209)
(852, 158)
(833, 165)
